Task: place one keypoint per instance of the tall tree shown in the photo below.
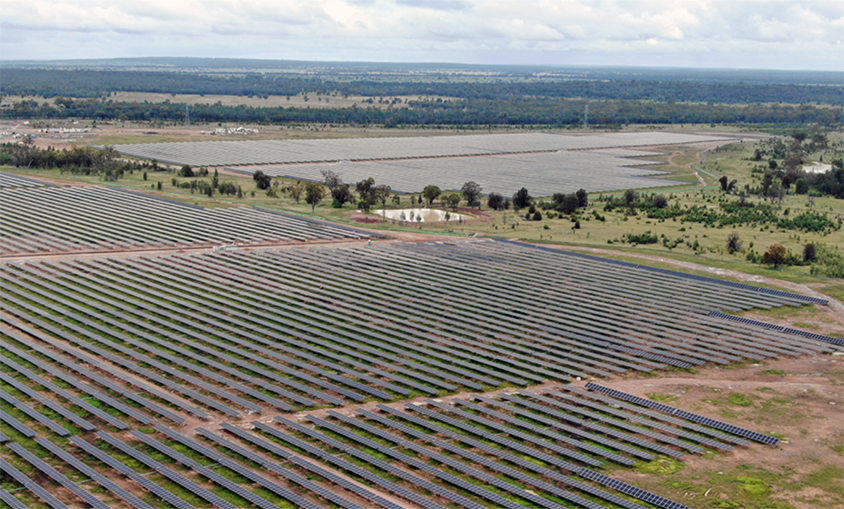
(431, 193)
(521, 199)
(471, 193)
(495, 201)
(314, 193)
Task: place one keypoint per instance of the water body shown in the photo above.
(421, 215)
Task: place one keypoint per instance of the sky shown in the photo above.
(744, 34)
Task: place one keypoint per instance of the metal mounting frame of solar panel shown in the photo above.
(74, 366)
(236, 320)
(93, 474)
(647, 278)
(166, 472)
(383, 465)
(147, 327)
(422, 355)
(486, 435)
(729, 428)
(66, 314)
(347, 381)
(657, 415)
(638, 419)
(607, 334)
(57, 476)
(516, 460)
(150, 486)
(427, 343)
(254, 477)
(497, 466)
(631, 490)
(36, 489)
(171, 358)
(337, 462)
(108, 400)
(546, 433)
(657, 311)
(88, 346)
(555, 424)
(620, 435)
(513, 432)
(104, 272)
(660, 437)
(491, 298)
(418, 290)
(41, 400)
(252, 291)
(384, 297)
(414, 463)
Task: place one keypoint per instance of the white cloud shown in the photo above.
(714, 33)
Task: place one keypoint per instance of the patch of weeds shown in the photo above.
(661, 466)
(751, 485)
(661, 398)
(773, 372)
(804, 325)
(765, 389)
(738, 399)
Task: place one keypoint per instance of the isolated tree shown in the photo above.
(772, 165)
(296, 191)
(314, 194)
(629, 197)
(472, 193)
(215, 180)
(521, 199)
(396, 200)
(582, 198)
(187, 171)
(660, 201)
(801, 186)
(431, 193)
(262, 181)
(495, 201)
(724, 183)
(734, 242)
(809, 254)
(775, 255)
(452, 200)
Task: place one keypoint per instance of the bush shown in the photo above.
(537, 216)
(660, 201)
(776, 255)
(809, 253)
(733, 242)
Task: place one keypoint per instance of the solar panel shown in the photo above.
(729, 428)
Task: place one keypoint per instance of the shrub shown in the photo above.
(776, 255)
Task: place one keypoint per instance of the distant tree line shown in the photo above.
(513, 112)
(92, 83)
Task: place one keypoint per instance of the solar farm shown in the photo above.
(87, 218)
(544, 163)
(348, 373)
(544, 172)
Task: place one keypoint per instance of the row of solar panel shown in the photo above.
(813, 335)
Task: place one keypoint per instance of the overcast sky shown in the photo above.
(754, 34)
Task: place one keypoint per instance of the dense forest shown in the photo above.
(553, 112)
(97, 83)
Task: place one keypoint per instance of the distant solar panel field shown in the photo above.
(542, 173)
(225, 153)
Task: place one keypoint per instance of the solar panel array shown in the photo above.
(221, 153)
(543, 173)
(96, 218)
(11, 180)
(100, 346)
(234, 333)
